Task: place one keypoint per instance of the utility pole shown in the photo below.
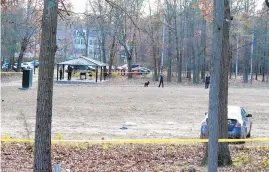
(252, 47)
(163, 44)
(237, 53)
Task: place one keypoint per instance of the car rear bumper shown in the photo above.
(234, 134)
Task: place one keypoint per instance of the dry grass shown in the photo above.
(95, 111)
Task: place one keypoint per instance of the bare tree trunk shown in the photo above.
(104, 51)
(169, 72)
(87, 41)
(203, 44)
(224, 157)
(257, 68)
(195, 63)
(23, 49)
(179, 56)
(130, 57)
(263, 68)
(112, 53)
(215, 87)
(245, 66)
(42, 151)
(156, 78)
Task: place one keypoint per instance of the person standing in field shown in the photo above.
(69, 72)
(207, 81)
(161, 79)
(61, 74)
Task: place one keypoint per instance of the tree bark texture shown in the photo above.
(215, 87)
(42, 151)
(224, 157)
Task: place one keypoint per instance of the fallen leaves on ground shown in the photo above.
(84, 157)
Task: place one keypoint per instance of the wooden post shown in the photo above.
(57, 72)
(96, 72)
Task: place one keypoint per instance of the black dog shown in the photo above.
(146, 84)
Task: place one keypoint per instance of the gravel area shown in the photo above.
(92, 111)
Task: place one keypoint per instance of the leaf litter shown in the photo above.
(85, 157)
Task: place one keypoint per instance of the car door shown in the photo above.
(249, 122)
(244, 116)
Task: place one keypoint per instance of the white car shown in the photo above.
(27, 65)
(239, 123)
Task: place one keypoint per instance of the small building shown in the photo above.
(84, 62)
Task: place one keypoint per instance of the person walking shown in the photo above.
(61, 74)
(161, 79)
(69, 72)
(207, 81)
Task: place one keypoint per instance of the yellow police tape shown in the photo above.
(139, 141)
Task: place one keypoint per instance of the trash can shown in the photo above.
(27, 78)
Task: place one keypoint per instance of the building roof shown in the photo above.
(96, 62)
(83, 61)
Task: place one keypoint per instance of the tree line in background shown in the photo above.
(180, 31)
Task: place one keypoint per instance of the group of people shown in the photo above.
(69, 72)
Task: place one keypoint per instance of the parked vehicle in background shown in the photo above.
(123, 67)
(5, 67)
(15, 66)
(141, 70)
(239, 123)
(135, 66)
(27, 65)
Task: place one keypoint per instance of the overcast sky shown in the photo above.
(79, 5)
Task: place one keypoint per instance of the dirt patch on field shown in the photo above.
(10, 76)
